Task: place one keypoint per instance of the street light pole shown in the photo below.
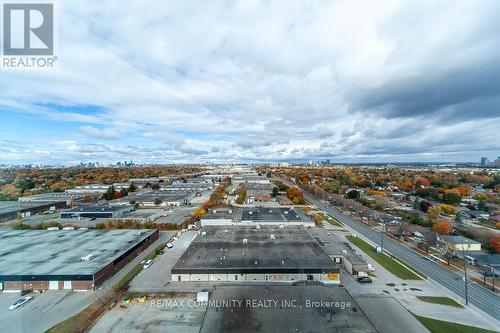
(464, 253)
(493, 277)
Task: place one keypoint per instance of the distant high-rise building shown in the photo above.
(484, 161)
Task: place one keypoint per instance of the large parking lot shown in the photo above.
(151, 317)
(43, 312)
(156, 277)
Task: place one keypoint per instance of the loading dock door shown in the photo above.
(53, 285)
(67, 285)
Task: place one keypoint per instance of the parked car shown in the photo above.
(125, 301)
(20, 302)
(147, 264)
(170, 245)
(364, 279)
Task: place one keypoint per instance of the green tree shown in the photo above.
(416, 205)
(451, 198)
(123, 192)
(109, 194)
(158, 202)
(132, 188)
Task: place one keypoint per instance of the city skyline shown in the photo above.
(260, 82)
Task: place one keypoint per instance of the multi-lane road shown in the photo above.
(479, 296)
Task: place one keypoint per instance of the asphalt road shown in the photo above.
(479, 296)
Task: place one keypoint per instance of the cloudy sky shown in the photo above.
(194, 81)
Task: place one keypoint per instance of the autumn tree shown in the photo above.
(295, 195)
(495, 243)
(318, 219)
(442, 227)
(11, 191)
(422, 182)
(452, 197)
(199, 213)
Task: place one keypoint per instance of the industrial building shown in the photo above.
(152, 200)
(255, 254)
(218, 217)
(73, 260)
(258, 196)
(10, 210)
(257, 186)
(255, 216)
(341, 252)
(69, 198)
(96, 188)
(252, 178)
(274, 216)
(187, 187)
(95, 211)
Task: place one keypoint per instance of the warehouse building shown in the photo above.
(95, 211)
(258, 196)
(218, 217)
(341, 252)
(255, 254)
(152, 200)
(11, 210)
(73, 260)
(255, 216)
(275, 216)
(69, 198)
(188, 187)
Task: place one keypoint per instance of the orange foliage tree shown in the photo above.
(199, 213)
(495, 243)
(442, 227)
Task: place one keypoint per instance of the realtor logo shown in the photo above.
(28, 29)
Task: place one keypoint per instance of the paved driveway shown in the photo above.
(156, 277)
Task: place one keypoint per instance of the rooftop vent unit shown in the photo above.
(272, 237)
(256, 262)
(285, 212)
(258, 226)
(88, 257)
(250, 213)
(282, 262)
(245, 241)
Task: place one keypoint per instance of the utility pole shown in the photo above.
(493, 277)
(464, 253)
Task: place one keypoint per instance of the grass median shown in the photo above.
(440, 300)
(387, 262)
(333, 221)
(439, 326)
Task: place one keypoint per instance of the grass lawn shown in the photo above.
(487, 224)
(333, 221)
(438, 326)
(383, 259)
(440, 300)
